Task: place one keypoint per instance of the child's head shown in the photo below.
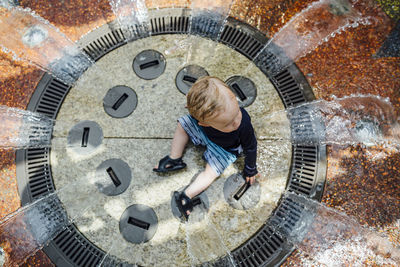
(212, 103)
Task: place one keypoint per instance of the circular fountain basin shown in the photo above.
(220, 233)
(144, 137)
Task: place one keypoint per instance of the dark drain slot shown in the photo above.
(196, 201)
(138, 223)
(85, 136)
(149, 64)
(113, 177)
(239, 92)
(120, 101)
(241, 191)
(190, 79)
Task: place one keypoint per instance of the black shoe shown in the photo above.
(184, 204)
(167, 164)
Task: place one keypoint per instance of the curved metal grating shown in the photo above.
(71, 248)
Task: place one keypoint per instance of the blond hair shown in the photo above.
(204, 99)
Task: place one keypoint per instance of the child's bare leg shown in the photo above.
(202, 181)
(179, 142)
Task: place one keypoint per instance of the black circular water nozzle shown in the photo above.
(114, 177)
(138, 224)
(239, 194)
(85, 137)
(244, 89)
(149, 64)
(187, 76)
(120, 101)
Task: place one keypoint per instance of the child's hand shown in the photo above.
(252, 179)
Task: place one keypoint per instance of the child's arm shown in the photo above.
(250, 162)
(249, 144)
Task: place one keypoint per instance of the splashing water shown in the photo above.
(110, 260)
(31, 227)
(135, 253)
(2, 257)
(132, 16)
(194, 232)
(332, 238)
(207, 19)
(24, 129)
(308, 29)
(31, 38)
(231, 261)
(367, 120)
(193, 259)
(271, 163)
(7, 4)
(204, 242)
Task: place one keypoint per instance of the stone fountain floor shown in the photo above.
(143, 138)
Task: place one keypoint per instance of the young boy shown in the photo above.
(217, 122)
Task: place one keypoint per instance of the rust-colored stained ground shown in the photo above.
(365, 188)
(16, 89)
(9, 199)
(361, 182)
(364, 182)
(73, 17)
(38, 259)
(268, 16)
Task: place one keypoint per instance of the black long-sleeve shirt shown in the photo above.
(243, 136)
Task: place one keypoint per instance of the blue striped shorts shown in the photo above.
(218, 158)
